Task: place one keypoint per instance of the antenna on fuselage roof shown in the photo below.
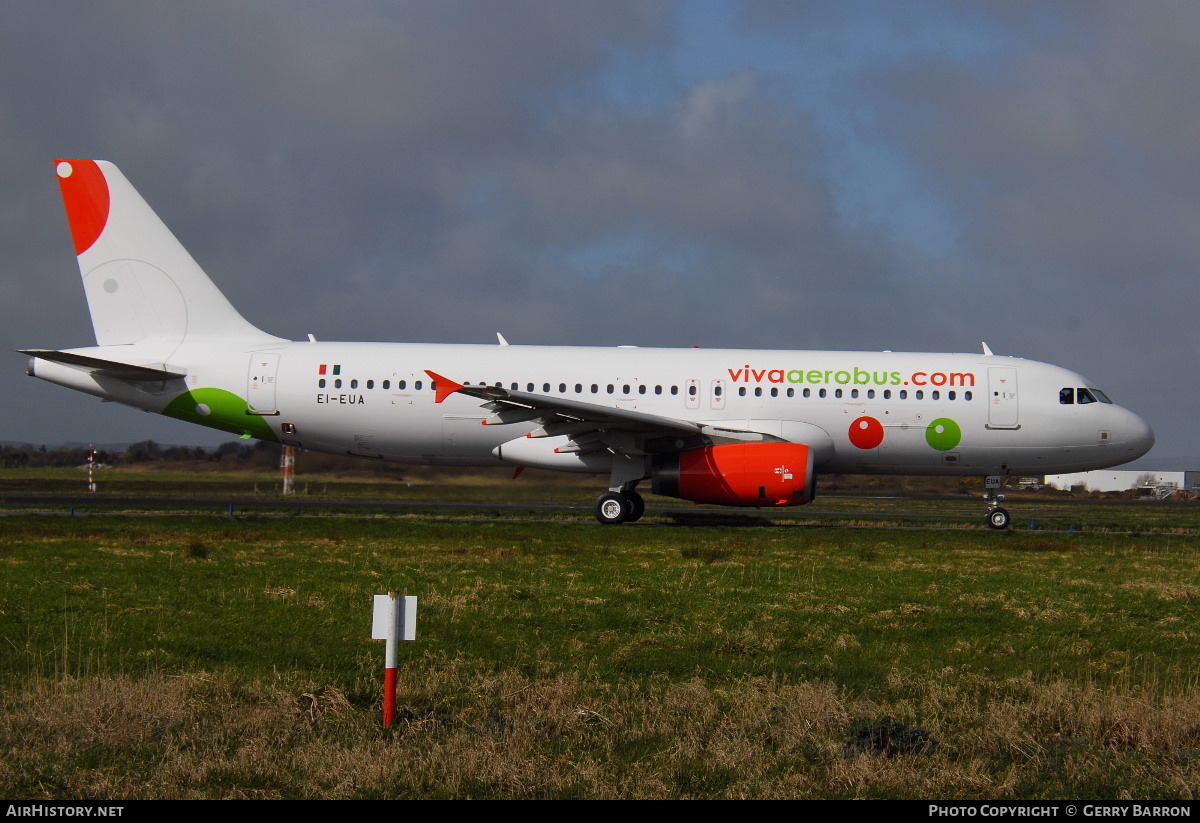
(986, 350)
(500, 337)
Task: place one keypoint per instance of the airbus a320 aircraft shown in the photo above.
(725, 426)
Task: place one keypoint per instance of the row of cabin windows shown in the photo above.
(855, 394)
(718, 391)
(594, 388)
(370, 384)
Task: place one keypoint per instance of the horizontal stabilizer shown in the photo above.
(108, 368)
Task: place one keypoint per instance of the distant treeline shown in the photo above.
(29, 455)
(236, 455)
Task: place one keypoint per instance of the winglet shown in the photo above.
(445, 386)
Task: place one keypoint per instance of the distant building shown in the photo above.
(1151, 484)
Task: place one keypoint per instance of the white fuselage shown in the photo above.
(863, 412)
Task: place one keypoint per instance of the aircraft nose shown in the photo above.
(1138, 436)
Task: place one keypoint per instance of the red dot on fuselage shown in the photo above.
(866, 432)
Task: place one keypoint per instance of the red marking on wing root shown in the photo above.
(85, 194)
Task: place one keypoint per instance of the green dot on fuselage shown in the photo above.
(943, 434)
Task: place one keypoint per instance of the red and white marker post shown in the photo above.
(394, 619)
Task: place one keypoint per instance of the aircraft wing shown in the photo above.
(583, 422)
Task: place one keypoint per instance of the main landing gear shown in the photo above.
(613, 508)
(997, 517)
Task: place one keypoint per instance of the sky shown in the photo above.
(919, 176)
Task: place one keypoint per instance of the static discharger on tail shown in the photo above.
(730, 427)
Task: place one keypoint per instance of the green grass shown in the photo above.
(558, 658)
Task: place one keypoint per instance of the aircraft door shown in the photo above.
(260, 383)
(1002, 398)
(691, 397)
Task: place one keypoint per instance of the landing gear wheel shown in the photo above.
(613, 509)
(998, 518)
(637, 506)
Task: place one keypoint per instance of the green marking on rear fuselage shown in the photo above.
(220, 409)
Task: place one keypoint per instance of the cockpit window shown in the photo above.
(1069, 396)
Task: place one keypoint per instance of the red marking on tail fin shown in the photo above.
(85, 194)
(445, 386)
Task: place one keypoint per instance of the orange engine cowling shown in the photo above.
(738, 474)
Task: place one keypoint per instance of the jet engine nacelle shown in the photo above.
(738, 474)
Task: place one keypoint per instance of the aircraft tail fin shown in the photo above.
(141, 283)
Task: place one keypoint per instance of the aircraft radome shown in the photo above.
(726, 426)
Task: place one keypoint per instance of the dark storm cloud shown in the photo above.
(721, 185)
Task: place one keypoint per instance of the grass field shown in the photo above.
(153, 652)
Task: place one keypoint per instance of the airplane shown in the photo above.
(734, 427)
